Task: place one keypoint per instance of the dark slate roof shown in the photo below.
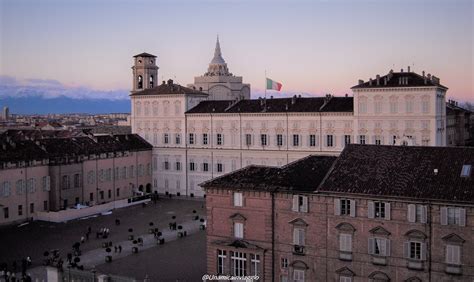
(302, 175)
(403, 171)
(168, 88)
(144, 54)
(393, 80)
(24, 150)
(278, 105)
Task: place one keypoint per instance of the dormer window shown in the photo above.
(466, 170)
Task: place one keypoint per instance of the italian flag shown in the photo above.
(273, 85)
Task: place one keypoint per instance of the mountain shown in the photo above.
(62, 104)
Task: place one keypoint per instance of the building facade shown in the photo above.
(362, 217)
(197, 136)
(51, 174)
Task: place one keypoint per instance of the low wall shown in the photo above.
(71, 214)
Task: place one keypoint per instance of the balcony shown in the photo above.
(379, 260)
(347, 256)
(298, 250)
(415, 264)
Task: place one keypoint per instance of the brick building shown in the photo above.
(376, 213)
(41, 172)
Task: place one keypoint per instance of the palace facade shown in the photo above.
(199, 134)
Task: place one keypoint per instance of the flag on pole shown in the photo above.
(273, 85)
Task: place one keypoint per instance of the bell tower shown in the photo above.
(145, 72)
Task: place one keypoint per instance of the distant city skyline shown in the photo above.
(83, 49)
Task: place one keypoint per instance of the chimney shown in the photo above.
(429, 76)
(423, 73)
(170, 82)
(347, 95)
(361, 81)
(370, 81)
(293, 100)
(401, 70)
(408, 69)
(164, 82)
(378, 79)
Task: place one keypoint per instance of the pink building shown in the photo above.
(50, 174)
(377, 213)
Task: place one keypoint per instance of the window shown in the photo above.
(329, 140)
(178, 138)
(140, 82)
(284, 263)
(298, 275)
(345, 242)
(312, 140)
(5, 213)
(65, 183)
(453, 216)
(296, 140)
(20, 210)
(283, 278)
(279, 140)
(204, 138)
(167, 165)
(344, 207)
(166, 138)
(362, 139)
(345, 279)
(393, 107)
(379, 246)
(300, 203)
(205, 167)
(238, 199)
(46, 183)
(254, 264)
(378, 140)
(363, 106)
(101, 196)
(45, 205)
(409, 106)
(191, 138)
(118, 192)
(191, 166)
(132, 171)
(453, 254)
(91, 197)
(425, 106)
(298, 236)
(263, 139)
(220, 167)
(238, 263)
(378, 107)
(220, 139)
(415, 250)
(417, 213)
(248, 139)
(238, 230)
(466, 170)
(178, 166)
(221, 258)
(379, 210)
(347, 140)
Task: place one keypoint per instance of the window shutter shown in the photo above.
(371, 246)
(337, 207)
(349, 242)
(462, 217)
(387, 247)
(411, 213)
(424, 214)
(373, 139)
(305, 204)
(334, 141)
(48, 183)
(387, 211)
(353, 208)
(406, 249)
(302, 239)
(295, 237)
(370, 210)
(423, 251)
(444, 216)
(316, 140)
(295, 203)
(222, 139)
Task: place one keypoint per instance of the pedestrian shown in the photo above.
(28, 260)
(89, 229)
(120, 248)
(83, 239)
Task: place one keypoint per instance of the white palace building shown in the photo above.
(212, 126)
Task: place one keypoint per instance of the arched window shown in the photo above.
(151, 81)
(140, 82)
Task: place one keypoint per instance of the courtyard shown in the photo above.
(157, 262)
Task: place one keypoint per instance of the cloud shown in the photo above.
(48, 89)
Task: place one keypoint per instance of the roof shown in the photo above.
(168, 88)
(394, 79)
(144, 54)
(279, 105)
(403, 171)
(302, 175)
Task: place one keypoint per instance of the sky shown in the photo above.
(84, 48)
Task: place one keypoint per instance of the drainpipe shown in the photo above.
(430, 238)
(272, 193)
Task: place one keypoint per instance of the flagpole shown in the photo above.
(265, 84)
